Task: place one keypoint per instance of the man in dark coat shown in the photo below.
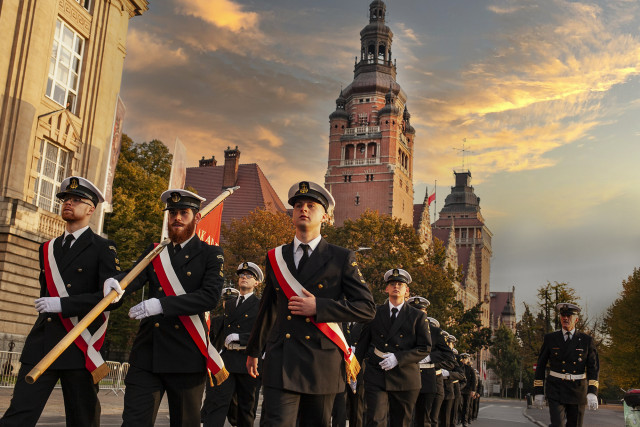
(468, 391)
(72, 268)
(239, 316)
(572, 383)
(441, 357)
(350, 403)
(393, 343)
(450, 379)
(166, 355)
(309, 284)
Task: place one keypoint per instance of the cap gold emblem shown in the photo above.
(175, 197)
(304, 187)
(73, 184)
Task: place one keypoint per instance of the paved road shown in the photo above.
(605, 416)
(501, 413)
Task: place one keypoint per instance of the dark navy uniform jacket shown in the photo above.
(237, 320)
(163, 344)
(90, 261)
(575, 356)
(443, 358)
(299, 357)
(408, 338)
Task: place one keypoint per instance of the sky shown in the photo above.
(544, 95)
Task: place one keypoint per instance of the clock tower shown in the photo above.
(370, 136)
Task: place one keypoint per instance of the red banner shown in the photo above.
(431, 199)
(209, 226)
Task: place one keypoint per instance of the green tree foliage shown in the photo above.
(530, 332)
(551, 295)
(249, 238)
(141, 176)
(505, 360)
(621, 323)
(466, 326)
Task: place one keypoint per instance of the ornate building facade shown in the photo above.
(371, 140)
(60, 72)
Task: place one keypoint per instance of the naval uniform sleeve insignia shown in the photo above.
(113, 248)
(118, 267)
(221, 258)
(354, 263)
(117, 261)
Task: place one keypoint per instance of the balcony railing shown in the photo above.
(362, 130)
(369, 161)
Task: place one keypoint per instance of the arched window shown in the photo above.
(382, 51)
(349, 151)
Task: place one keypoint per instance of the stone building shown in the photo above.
(60, 71)
(371, 140)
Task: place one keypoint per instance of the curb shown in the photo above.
(533, 420)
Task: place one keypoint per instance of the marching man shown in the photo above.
(72, 266)
(310, 285)
(170, 352)
(572, 383)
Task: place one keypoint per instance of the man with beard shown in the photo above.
(71, 268)
(310, 286)
(239, 316)
(572, 383)
(185, 281)
(393, 344)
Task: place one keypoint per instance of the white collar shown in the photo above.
(246, 296)
(571, 332)
(183, 244)
(312, 244)
(399, 306)
(76, 233)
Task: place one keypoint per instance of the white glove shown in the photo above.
(445, 373)
(592, 402)
(389, 362)
(426, 359)
(110, 284)
(147, 308)
(48, 305)
(538, 401)
(231, 338)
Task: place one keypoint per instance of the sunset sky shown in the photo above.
(546, 94)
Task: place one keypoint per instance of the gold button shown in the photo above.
(68, 285)
(188, 273)
(288, 317)
(381, 336)
(308, 319)
(157, 325)
(160, 289)
(79, 270)
(48, 319)
(186, 257)
(277, 289)
(228, 326)
(246, 315)
(176, 326)
(288, 336)
(238, 326)
(563, 370)
(320, 286)
(563, 362)
(397, 345)
(386, 345)
(401, 336)
(307, 337)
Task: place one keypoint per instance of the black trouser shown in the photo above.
(81, 404)
(574, 414)
(423, 407)
(215, 407)
(281, 407)
(144, 393)
(475, 407)
(445, 413)
(466, 408)
(397, 405)
(355, 404)
(339, 411)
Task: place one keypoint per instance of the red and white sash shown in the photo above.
(292, 287)
(171, 286)
(88, 343)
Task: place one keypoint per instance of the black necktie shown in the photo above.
(305, 256)
(176, 249)
(240, 300)
(394, 314)
(67, 243)
(568, 336)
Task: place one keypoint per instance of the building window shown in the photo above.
(347, 178)
(64, 66)
(53, 167)
(369, 177)
(85, 3)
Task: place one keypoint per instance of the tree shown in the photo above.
(622, 323)
(466, 326)
(505, 360)
(391, 244)
(141, 176)
(551, 295)
(249, 238)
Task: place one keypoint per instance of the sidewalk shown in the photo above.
(111, 403)
(606, 415)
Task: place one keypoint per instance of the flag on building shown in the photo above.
(431, 198)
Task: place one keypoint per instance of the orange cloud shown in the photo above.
(145, 50)
(221, 13)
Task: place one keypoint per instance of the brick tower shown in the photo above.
(370, 138)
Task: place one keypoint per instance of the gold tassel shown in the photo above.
(221, 375)
(100, 372)
(352, 367)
